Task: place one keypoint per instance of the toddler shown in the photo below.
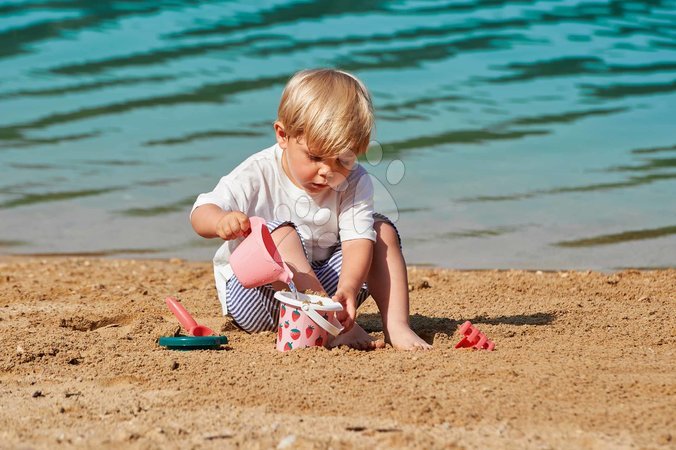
(318, 204)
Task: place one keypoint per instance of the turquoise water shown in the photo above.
(510, 134)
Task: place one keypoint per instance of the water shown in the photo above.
(294, 291)
(511, 134)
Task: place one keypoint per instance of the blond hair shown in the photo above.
(329, 109)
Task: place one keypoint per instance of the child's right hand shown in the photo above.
(232, 225)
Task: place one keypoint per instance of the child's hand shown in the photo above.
(348, 298)
(232, 225)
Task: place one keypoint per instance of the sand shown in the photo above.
(583, 360)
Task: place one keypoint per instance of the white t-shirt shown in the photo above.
(260, 187)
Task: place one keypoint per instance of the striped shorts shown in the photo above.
(256, 309)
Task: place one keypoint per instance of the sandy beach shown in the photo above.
(583, 360)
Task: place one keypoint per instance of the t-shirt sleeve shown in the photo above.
(355, 218)
(221, 196)
(234, 191)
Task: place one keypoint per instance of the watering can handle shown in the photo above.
(257, 222)
(184, 318)
(322, 322)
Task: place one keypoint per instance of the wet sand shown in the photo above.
(583, 360)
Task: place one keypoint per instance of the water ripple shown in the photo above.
(159, 56)
(14, 138)
(617, 238)
(633, 181)
(202, 135)
(286, 14)
(85, 87)
(459, 137)
(415, 56)
(567, 66)
(654, 150)
(180, 205)
(565, 117)
(617, 91)
(31, 199)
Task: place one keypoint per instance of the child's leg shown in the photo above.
(253, 310)
(328, 274)
(388, 284)
(292, 251)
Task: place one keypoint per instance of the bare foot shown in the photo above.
(358, 339)
(402, 337)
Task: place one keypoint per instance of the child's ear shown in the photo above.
(280, 135)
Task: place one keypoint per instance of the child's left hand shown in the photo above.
(348, 299)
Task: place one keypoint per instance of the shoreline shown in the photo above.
(582, 360)
(171, 236)
(114, 256)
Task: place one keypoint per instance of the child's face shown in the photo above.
(311, 172)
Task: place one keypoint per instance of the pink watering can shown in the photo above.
(256, 261)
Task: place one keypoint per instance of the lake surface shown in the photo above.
(510, 134)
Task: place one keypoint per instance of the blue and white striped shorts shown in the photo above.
(256, 309)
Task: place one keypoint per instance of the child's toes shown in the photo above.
(422, 346)
(366, 345)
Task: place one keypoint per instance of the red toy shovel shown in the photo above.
(186, 320)
(472, 337)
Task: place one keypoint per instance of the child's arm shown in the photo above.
(210, 221)
(357, 255)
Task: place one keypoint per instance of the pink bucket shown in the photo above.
(306, 321)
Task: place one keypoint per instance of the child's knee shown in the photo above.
(386, 232)
(286, 233)
(284, 230)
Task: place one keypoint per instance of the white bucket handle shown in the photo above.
(319, 320)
